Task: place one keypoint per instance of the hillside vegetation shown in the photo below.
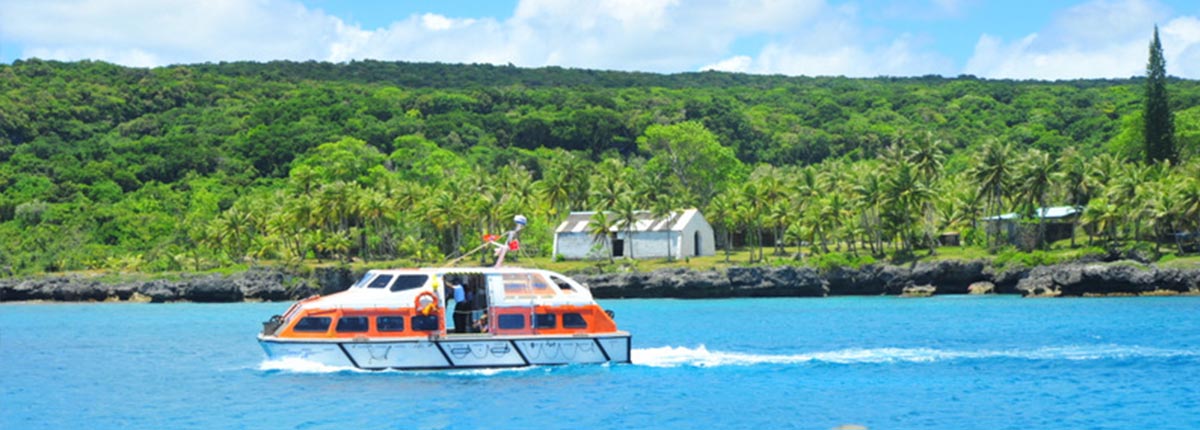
(203, 166)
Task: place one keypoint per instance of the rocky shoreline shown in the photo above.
(920, 279)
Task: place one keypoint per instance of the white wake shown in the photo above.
(671, 356)
(300, 365)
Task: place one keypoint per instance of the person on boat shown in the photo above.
(480, 325)
(461, 303)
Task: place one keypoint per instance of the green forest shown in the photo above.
(196, 167)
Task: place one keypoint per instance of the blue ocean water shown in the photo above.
(949, 362)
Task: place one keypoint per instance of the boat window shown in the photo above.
(511, 322)
(425, 322)
(313, 324)
(527, 284)
(363, 280)
(352, 324)
(393, 323)
(408, 282)
(380, 281)
(574, 320)
(544, 321)
(563, 284)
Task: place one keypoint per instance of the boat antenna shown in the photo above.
(502, 248)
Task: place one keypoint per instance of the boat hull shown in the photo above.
(454, 352)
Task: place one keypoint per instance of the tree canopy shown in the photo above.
(197, 166)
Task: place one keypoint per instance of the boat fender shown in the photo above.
(427, 309)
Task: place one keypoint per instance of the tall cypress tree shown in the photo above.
(1160, 127)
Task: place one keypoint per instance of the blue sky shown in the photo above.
(995, 39)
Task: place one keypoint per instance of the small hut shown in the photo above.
(685, 233)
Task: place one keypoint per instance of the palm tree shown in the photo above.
(1124, 191)
(1036, 175)
(903, 192)
(772, 190)
(442, 212)
(555, 189)
(1160, 200)
(1076, 182)
(780, 216)
(754, 206)
(803, 192)
(927, 156)
(869, 190)
(600, 227)
(626, 212)
(722, 211)
(373, 206)
(608, 184)
(993, 172)
(1187, 206)
(1102, 217)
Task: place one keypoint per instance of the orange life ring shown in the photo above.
(427, 309)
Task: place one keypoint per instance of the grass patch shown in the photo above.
(1185, 262)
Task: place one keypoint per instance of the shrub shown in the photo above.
(833, 260)
(1012, 256)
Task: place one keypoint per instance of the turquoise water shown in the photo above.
(880, 362)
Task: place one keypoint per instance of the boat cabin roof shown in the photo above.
(504, 286)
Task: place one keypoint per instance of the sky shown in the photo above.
(1017, 39)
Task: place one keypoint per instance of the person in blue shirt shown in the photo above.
(462, 306)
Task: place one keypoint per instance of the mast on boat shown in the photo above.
(511, 242)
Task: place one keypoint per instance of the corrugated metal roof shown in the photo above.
(577, 222)
(1055, 212)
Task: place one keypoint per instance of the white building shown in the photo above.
(686, 233)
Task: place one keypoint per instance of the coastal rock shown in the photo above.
(1109, 279)
(684, 283)
(981, 287)
(12, 290)
(263, 284)
(868, 280)
(1121, 278)
(949, 276)
(777, 282)
(121, 291)
(1006, 279)
(1181, 281)
(919, 291)
(676, 283)
(335, 279)
(211, 289)
(159, 291)
(75, 290)
(1038, 283)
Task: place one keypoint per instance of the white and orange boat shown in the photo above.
(398, 319)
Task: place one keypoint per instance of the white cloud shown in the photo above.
(168, 31)
(833, 44)
(1098, 39)
(738, 63)
(810, 37)
(1181, 46)
(652, 35)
